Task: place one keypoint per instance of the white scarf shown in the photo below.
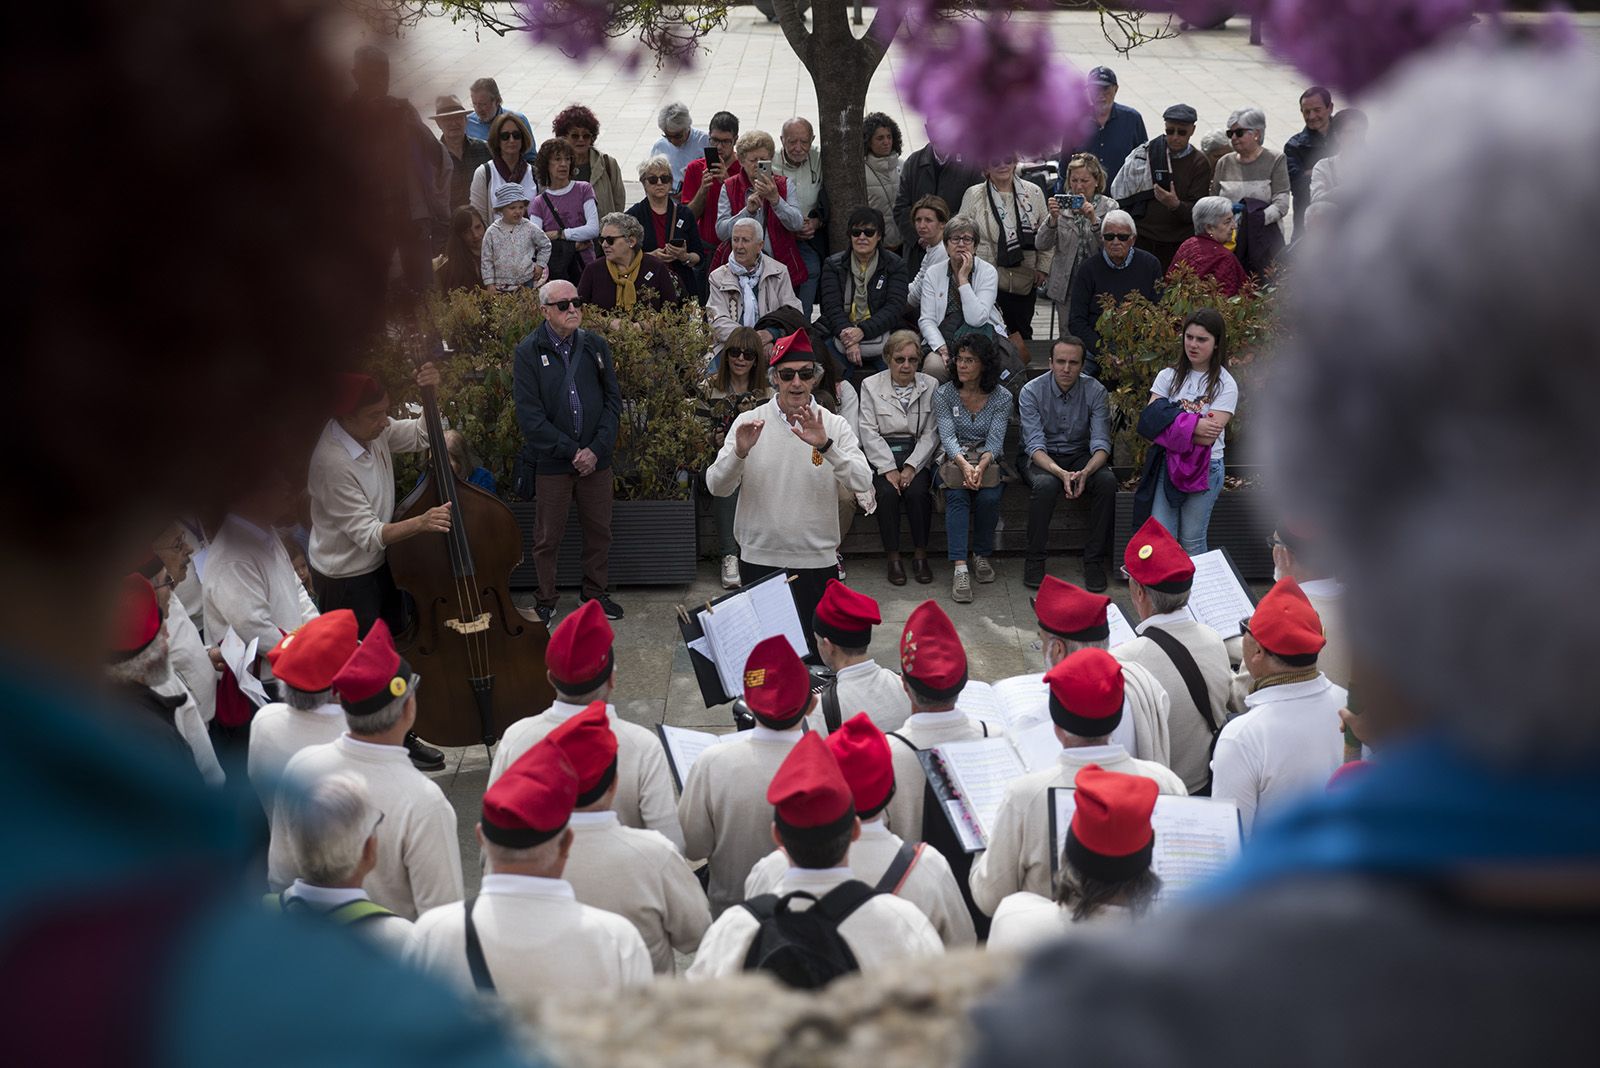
(747, 277)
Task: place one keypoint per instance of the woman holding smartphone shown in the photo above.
(670, 231)
(1073, 226)
(754, 192)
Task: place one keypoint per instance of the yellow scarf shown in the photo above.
(624, 279)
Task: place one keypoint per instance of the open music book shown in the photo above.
(684, 747)
(738, 622)
(1196, 837)
(1219, 598)
(970, 779)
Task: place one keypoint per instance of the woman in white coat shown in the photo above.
(958, 299)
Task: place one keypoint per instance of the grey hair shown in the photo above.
(544, 289)
(1410, 452)
(148, 666)
(1250, 118)
(631, 228)
(1161, 602)
(1215, 141)
(958, 225)
(673, 117)
(378, 722)
(657, 162)
(543, 855)
(328, 822)
(761, 231)
(304, 700)
(1070, 645)
(1119, 216)
(1209, 211)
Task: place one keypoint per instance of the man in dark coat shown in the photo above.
(927, 170)
(568, 406)
(1118, 270)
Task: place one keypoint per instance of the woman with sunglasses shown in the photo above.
(899, 436)
(863, 296)
(624, 275)
(670, 232)
(1253, 172)
(957, 297)
(733, 389)
(508, 142)
(972, 412)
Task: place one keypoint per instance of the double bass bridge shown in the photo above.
(470, 626)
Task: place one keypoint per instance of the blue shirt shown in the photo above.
(1111, 143)
(476, 127)
(694, 148)
(563, 347)
(1058, 422)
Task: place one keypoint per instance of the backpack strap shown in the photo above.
(475, 960)
(832, 714)
(359, 911)
(838, 904)
(1189, 671)
(904, 741)
(895, 877)
(985, 725)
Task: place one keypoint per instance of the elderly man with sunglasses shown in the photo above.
(1120, 269)
(568, 406)
(787, 460)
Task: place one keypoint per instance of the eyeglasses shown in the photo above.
(1273, 541)
(789, 374)
(721, 140)
(863, 231)
(1116, 237)
(510, 135)
(657, 179)
(960, 239)
(608, 239)
(1237, 133)
(1244, 627)
(739, 354)
(579, 135)
(565, 305)
(1179, 131)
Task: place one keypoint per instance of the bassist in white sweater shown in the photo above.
(788, 514)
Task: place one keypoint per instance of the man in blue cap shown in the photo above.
(1118, 129)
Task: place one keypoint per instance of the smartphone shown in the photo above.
(678, 242)
(1161, 178)
(713, 156)
(764, 166)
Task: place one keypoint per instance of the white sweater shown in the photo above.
(511, 252)
(250, 585)
(352, 496)
(788, 513)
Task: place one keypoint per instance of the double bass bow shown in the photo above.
(483, 659)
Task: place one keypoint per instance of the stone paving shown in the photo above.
(750, 70)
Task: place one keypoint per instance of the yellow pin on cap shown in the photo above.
(397, 687)
(1145, 551)
(757, 677)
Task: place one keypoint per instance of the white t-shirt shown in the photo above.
(1193, 388)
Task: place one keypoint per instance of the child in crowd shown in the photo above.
(515, 251)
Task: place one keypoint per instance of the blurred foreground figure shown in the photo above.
(1443, 908)
(135, 894)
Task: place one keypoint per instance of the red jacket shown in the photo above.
(1208, 257)
(785, 249)
(694, 176)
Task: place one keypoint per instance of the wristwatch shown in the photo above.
(822, 450)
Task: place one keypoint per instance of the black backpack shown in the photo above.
(803, 947)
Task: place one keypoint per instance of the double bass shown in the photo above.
(481, 658)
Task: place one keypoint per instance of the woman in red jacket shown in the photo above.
(1207, 253)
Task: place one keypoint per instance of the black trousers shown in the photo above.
(917, 504)
(371, 597)
(1099, 496)
(806, 589)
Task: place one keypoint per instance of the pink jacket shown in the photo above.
(1188, 464)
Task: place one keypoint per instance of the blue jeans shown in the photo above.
(807, 290)
(1189, 522)
(958, 507)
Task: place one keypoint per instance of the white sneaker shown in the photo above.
(730, 572)
(961, 587)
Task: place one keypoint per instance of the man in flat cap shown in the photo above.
(525, 936)
(1180, 174)
(1288, 741)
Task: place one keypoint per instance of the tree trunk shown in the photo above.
(841, 68)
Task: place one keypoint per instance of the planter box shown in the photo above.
(652, 544)
(1238, 524)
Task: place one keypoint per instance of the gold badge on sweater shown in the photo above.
(816, 458)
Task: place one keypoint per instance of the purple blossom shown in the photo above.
(991, 88)
(1351, 44)
(576, 27)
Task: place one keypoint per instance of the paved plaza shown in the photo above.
(749, 70)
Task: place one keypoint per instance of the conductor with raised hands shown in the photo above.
(788, 459)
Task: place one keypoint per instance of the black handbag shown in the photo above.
(566, 264)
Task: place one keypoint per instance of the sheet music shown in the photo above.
(684, 746)
(1121, 630)
(738, 624)
(978, 699)
(239, 657)
(1037, 745)
(1196, 837)
(1024, 701)
(1218, 600)
(980, 771)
